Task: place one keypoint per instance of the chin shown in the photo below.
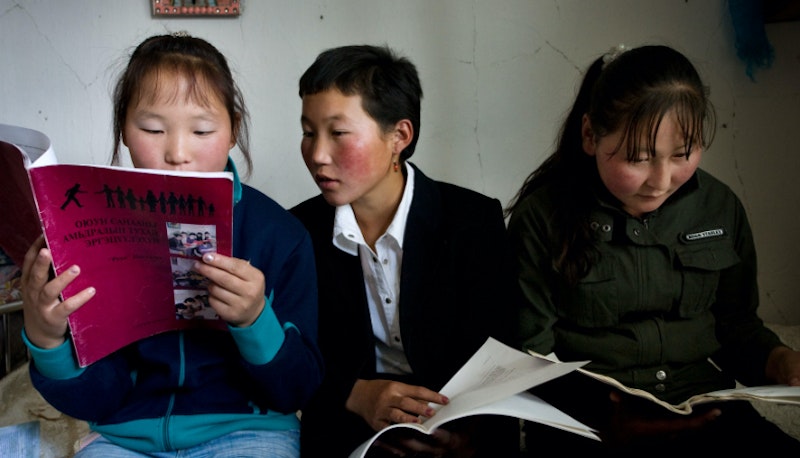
(647, 210)
(333, 199)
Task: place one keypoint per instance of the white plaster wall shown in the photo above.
(498, 76)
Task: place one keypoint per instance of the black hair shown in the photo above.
(388, 84)
(203, 66)
(631, 93)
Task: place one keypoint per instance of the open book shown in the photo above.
(782, 394)
(135, 233)
(494, 382)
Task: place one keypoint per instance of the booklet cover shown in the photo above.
(135, 233)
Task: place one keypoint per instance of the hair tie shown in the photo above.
(613, 53)
(180, 34)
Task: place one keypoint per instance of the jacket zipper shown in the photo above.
(181, 380)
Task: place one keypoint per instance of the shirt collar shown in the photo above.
(346, 233)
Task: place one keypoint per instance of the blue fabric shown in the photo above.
(240, 444)
(752, 44)
(254, 348)
(195, 386)
(56, 363)
(237, 182)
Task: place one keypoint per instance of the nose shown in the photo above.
(176, 150)
(316, 150)
(660, 176)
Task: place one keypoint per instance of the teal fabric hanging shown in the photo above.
(752, 45)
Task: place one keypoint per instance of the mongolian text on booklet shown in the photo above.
(134, 233)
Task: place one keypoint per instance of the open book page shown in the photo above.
(135, 233)
(410, 429)
(525, 406)
(522, 405)
(782, 394)
(35, 145)
(494, 381)
(494, 372)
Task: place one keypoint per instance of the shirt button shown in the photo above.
(636, 232)
(594, 225)
(660, 387)
(388, 300)
(661, 375)
(396, 338)
(351, 236)
(385, 262)
(606, 228)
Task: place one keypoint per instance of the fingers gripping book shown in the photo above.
(494, 381)
(135, 233)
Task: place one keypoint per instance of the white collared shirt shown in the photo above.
(381, 276)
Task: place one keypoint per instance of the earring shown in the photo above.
(396, 167)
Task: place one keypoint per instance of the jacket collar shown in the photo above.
(237, 183)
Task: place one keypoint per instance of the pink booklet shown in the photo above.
(135, 233)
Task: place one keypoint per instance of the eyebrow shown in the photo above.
(336, 117)
(146, 114)
(205, 115)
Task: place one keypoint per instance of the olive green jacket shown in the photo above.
(667, 293)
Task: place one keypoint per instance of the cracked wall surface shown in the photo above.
(498, 77)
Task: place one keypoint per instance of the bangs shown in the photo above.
(691, 115)
(176, 82)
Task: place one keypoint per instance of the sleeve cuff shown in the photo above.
(56, 363)
(260, 342)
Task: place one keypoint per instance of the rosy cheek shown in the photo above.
(142, 156)
(683, 176)
(355, 157)
(138, 157)
(633, 182)
(622, 180)
(621, 189)
(354, 164)
(219, 158)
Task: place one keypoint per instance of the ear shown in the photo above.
(402, 136)
(588, 138)
(235, 131)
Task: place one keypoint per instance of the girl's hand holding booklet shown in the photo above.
(135, 233)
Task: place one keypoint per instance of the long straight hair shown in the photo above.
(631, 93)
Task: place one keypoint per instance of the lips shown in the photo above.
(324, 182)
